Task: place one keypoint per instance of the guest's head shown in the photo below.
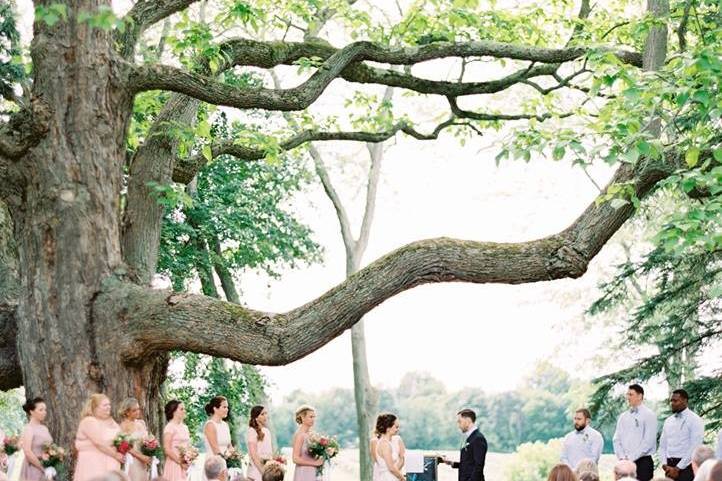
(700, 455)
(635, 395)
(175, 411)
(273, 471)
(625, 469)
(97, 405)
(258, 419)
(715, 474)
(465, 419)
(129, 409)
(305, 416)
(387, 423)
(562, 472)
(704, 470)
(115, 475)
(588, 476)
(215, 468)
(36, 409)
(217, 407)
(582, 418)
(679, 400)
(586, 464)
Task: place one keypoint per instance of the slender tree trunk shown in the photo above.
(225, 275)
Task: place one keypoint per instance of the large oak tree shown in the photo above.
(81, 230)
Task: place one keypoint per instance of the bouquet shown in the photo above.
(52, 458)
(123, 443)
(188, 454)
(233, 457)
(322, 447)
(11, 445)
(151, 447)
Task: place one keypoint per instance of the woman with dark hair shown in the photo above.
(258, 440)
(562, 472)
(386, 467)
(216, 433)
(175, 436)
(34, 437)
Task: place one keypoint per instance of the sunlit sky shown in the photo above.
(487, 336)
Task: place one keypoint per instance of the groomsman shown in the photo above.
(635, 438)
(584, 442)
(682, 432)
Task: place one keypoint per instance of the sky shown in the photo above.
(486, 336)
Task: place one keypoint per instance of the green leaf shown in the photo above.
(692, 156)
(207, 152)
(717, 154)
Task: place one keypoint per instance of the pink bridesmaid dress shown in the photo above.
(263, 448)
(180, 436)
(41, 437)
(92, 462)
(305, 473)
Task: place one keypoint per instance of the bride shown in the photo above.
(387, 453)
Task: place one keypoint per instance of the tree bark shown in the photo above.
(224, 275)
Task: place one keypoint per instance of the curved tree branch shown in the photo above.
(186, 169)
(144, 14)
(159, 320)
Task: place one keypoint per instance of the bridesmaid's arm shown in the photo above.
(212, 437)
(100, 445)
(171, 453)
(140, 456)
(297, 458)
(385, 451)
(372, 448)
(27, 443)
(402, 454)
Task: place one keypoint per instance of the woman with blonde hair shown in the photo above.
(305, 464)
(132, 424)
(94, 440)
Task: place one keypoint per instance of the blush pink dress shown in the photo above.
(179, 436)
(41, 437)
(92, 462)
(263, 448)
(305, 473)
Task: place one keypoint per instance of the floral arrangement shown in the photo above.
(150, 447)
(188, 454)
(11, 445)
(322, 447)
(277, 458)
(123, 443)
(233, 457)
(52, 459)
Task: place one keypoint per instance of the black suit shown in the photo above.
(473, 457)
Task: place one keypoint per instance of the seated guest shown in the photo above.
(562, 472)
(586, 465)
(700, 455)
(625, 469)
(715, 473)
(215, 468)
(273, 471)
(704, 469)
(588, 476)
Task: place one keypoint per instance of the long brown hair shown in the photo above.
(253, 421)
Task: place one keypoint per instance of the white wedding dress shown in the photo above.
(381, 470)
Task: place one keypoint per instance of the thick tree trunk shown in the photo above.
(66, 224)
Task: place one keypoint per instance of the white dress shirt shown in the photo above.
(584, 444)
(719, 445)
(636, 433)
(681, 434)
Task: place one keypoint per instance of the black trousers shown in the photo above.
(645, 468)
(685, 474)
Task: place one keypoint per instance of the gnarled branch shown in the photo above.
(144, 14)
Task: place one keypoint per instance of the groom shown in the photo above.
(473, 449)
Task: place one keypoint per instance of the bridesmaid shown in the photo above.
(175, 435)
(35, 436)
(94, 441)
(216, 433)
(131, 423)
(305, 464)
(258, 440)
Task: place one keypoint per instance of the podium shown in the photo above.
(430, 472)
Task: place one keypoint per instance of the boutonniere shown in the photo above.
(586, 437)
(466, 445)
